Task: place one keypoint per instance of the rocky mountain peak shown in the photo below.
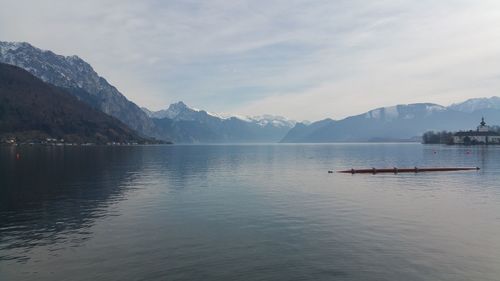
(179, 110)
(79, 78)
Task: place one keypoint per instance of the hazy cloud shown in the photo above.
(302, 59)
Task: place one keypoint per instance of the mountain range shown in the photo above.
(178, 123)
(187, 125)
(79, 79)
(182, 124)
(32, 110)
(398, 123)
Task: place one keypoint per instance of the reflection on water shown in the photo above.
(52, 195)
(247, 212)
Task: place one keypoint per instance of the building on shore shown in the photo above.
(482, 135)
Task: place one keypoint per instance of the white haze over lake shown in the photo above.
(301, 59)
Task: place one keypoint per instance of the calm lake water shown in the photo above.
(248, 212)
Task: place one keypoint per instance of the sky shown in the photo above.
(306, 60)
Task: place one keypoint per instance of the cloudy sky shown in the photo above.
(301, 59)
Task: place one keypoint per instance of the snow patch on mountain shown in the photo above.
(391, 112)
(223, 116)
(373, 114)
(176, 109)
(181, 111)
(403, 111)
(8, 46)
(434, 108)
(272, 120)
(76, 75)
(384, 113)
(475, 104)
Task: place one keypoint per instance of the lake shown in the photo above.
(248, 212)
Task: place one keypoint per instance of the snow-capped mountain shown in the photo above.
(170, 112)
(77, 77)
(9, 46)
(187, 124)
(177, 122)
(182, 123)
(272, 120)
(395, 123)
(404, 111)
(181, 111)
(32, 110)
(472, 105)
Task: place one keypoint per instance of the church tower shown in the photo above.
(483, 127)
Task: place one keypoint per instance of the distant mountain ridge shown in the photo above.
(398, 123)
(178, 122)
(181, 123)
(181, 111)
(188, 125)
(476, 104)
(79, 79)
(31, 109)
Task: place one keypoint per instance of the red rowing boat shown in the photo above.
(406, 170)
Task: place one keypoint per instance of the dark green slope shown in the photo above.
(33, 110)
